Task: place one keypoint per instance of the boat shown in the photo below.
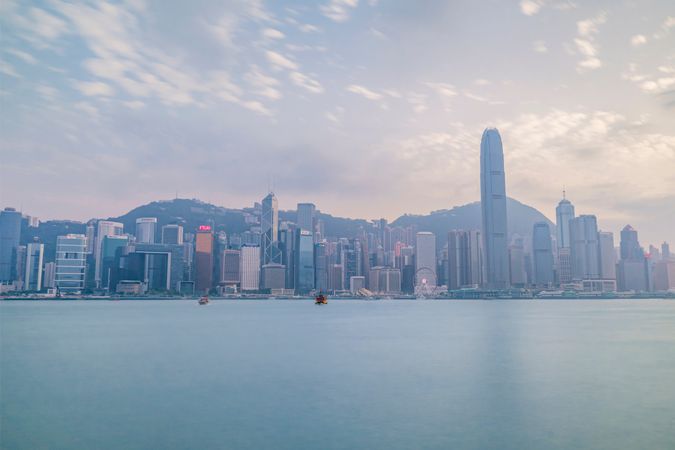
(204, 300)
(321, 300)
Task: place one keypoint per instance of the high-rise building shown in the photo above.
(585, 251)
(542, 254)
(305, 216)
(250, 267)
(204, 259)
(517, 263)
(172, 234)
(230, 274)
(10, 236)
(607, 255)
(287, 233)
(425, 259)
(269, 223)
(384, 280)
(109, 256)
(146, 229)
(304, 261)
(104, 228)
(336, 277)
(564, 267)
(493, 209)
(71, 257)
(49, 280)
(665, 251)
(632, 271)
(32, 280)
(464, 259)
(273, 277)
(664, 275)
(564, 212)
(320, 267)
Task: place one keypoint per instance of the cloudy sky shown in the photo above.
(367, 108)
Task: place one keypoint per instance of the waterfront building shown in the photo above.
(633, 267)
(336, 277)
(250, 267)
(384, 280)
(104, 228)
(32, 280)
(584, 248)
(464, 262)
(356, 283)
(230, 274)
(110, 259)
(204, 259)
(304, 261)
(607, 255)
(425, 259)
(172, 234)
(493, 210)
(517, 263)
(10, 236)
(542, 255)
(269, 223)
(320, 267)
(664, 275)
(564, 212)
(49, 279)
(71, 257)
(273, 277)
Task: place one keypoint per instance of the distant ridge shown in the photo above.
(192, 212)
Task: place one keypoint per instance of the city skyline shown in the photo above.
(288, 95)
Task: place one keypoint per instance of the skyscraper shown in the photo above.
(71, 257)
(250, 267)
(10, 234)
(172, 234)
(204, 259)
(564, 212)
(320, 267)
(464, 259)
(230, 274)
(585, 248)
(105, 228)
(542, 254)
(493, 209)
(34, 255)
(607, 255)
(269, 223)
(633, 268)
(425, 259)
(305, 218)
(146, 229)
(304, 261)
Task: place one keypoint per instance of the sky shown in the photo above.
(367, 108)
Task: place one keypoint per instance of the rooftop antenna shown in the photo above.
(563, 192)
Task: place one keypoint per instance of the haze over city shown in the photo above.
(368, 109)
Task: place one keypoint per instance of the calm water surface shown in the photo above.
(352, 374)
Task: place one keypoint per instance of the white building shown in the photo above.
(250, 267)
(105, 228)
(71, 262)
(145, 230)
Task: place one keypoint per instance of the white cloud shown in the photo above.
(40, 27)
(444, 89)
(338, 10)
(23, 56)
(263, 85)
(530, 7)
(134, 104)
(657, 83)
(8, 69)
(668, 23)
(308, 28)
(94, 88)
(585, 43)
(302, 80)
(638, 40)
(280, 61)
(540, 47)
(272, 33)
(364, 92)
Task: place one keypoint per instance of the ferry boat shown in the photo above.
(204, 300)
(321, 300)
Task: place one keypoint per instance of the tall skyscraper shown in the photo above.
(49, 280)
(304, 261)
(32, 280)
(425, 259)
(493, 209)
(633, 267)
(172, 234)
(104, 228)
(305, 219)
(269, 223)
(250, 267)
(542, 254)
(585, 249)
(10, 234)
(204, 259)
(109, 255)
(71, 257)
(464, 259)
(564, 212)
(607, 255)
(146, 229)
(320, 267)
(517, 263)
